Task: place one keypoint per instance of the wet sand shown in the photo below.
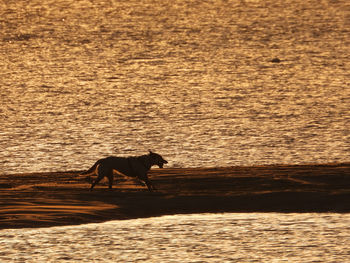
(63, 198)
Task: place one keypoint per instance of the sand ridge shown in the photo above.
(63, 198)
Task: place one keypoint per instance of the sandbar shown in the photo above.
(32, 200)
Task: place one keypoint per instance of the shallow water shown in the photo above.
(242, 237)
(194, 81)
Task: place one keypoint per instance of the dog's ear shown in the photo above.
(150, 152)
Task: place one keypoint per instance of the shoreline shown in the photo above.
(33, 200)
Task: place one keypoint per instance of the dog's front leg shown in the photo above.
(149, 184)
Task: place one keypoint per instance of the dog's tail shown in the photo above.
(92, 169)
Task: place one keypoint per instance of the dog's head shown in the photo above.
(156, 159)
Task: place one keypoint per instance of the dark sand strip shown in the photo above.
(63, 198)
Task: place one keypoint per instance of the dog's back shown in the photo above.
(129, 166)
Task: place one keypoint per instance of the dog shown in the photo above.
(136, 166)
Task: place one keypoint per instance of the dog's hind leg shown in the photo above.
(106, 171)
(99, 178)
(102, 172)
(110, 179)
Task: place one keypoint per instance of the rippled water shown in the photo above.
(254, 237)
(193, 80)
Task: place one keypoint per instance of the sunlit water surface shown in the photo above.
(253, 237)
(192, 80)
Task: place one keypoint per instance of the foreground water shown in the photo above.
(241, 237)
(195, 81)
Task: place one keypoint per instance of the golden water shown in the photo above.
(254, 237)
(192, 80)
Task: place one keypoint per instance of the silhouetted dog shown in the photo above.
(137, 166)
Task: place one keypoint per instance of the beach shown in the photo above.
(33, 200)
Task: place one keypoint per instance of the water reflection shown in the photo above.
(253, 237)
(191, 80)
